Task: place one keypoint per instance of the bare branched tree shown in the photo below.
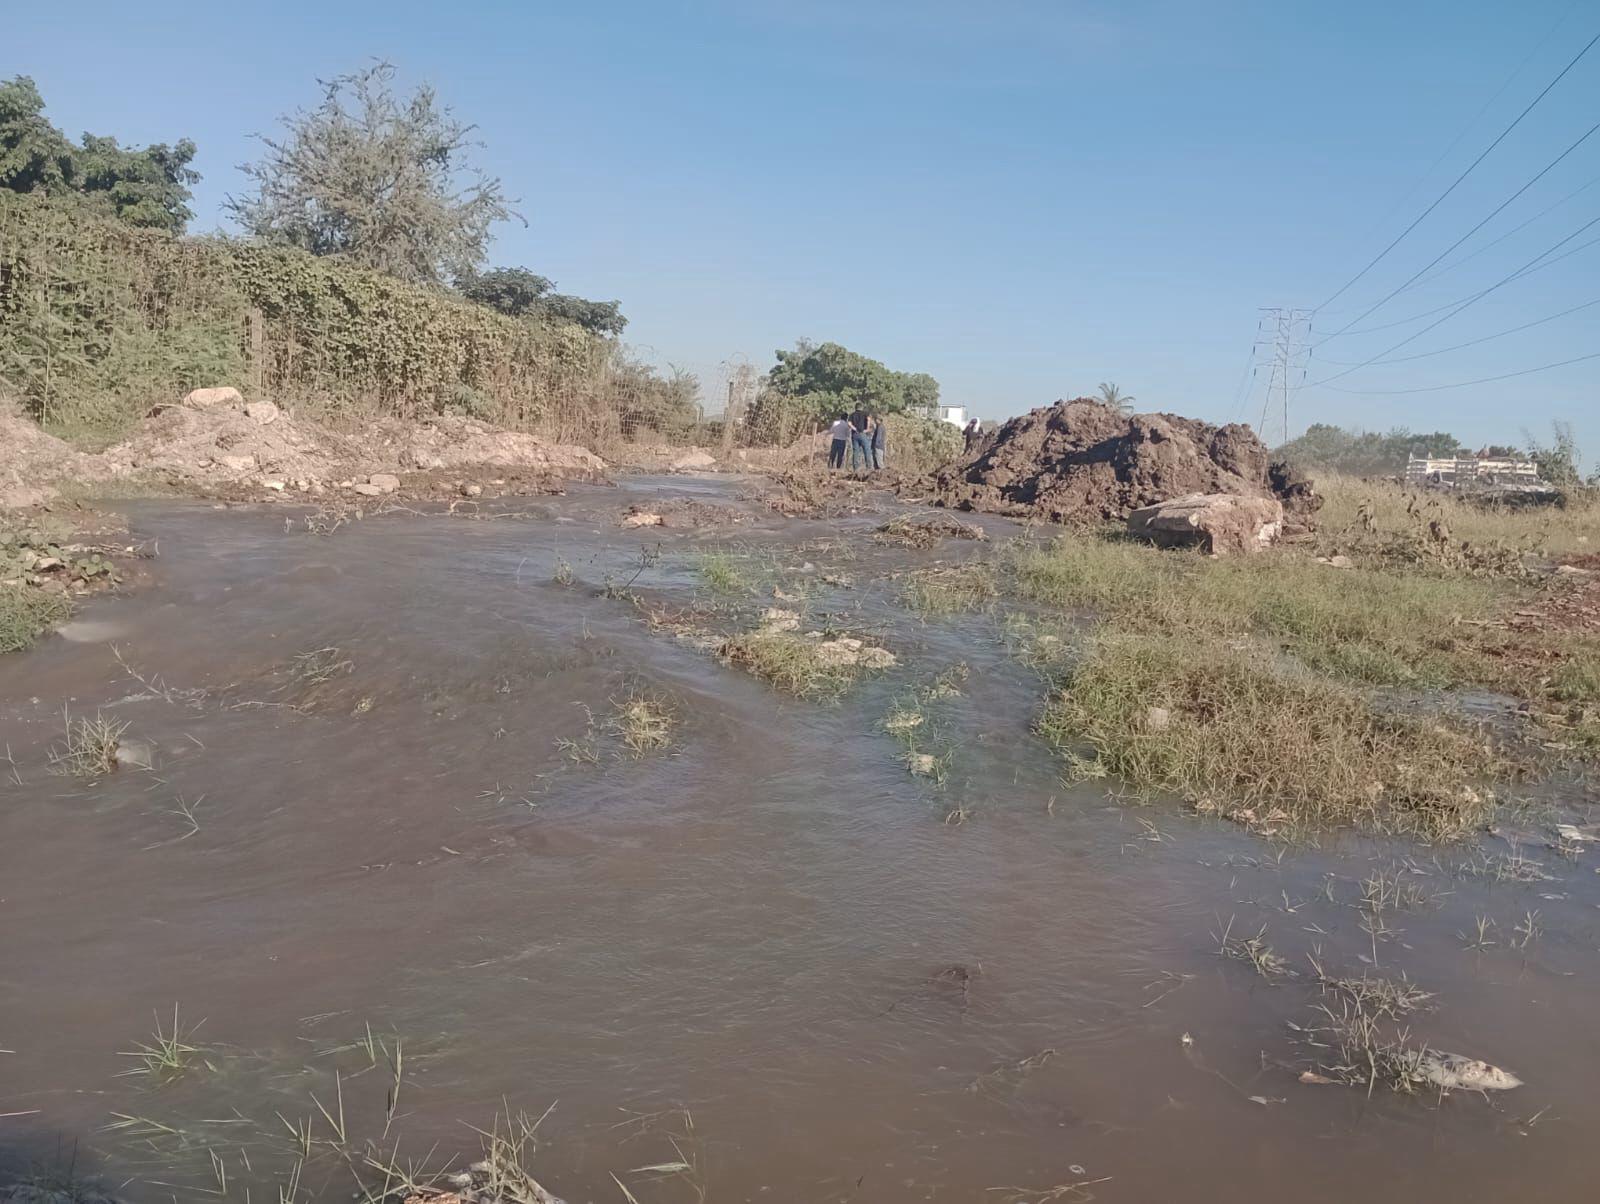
(376, 179)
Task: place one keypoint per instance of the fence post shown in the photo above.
(258, 349)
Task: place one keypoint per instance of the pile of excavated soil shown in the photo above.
(234, 449)
(1083, 461)
(31, 460)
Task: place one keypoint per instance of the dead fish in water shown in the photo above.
(1453, 1072)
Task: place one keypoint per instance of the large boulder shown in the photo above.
(1223, 524)
(204, 399)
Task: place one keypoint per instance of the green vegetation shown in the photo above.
(818, 381)
(807, 668)
(1367, 453)
(724, 573)
(27, 613)
(519, 293)
(145, 188)
(168, 1053)
(1363, 625)
(1229, 729)
(946, 591)
(1115, 397)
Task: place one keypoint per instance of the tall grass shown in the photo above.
(1378, 627)
(1225, 725)
(26, 613)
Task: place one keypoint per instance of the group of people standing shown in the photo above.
(864, 434)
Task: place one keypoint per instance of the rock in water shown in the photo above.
(1221, 523)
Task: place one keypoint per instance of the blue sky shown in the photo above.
(1022, 198)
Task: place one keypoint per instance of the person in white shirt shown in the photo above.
(840, 432)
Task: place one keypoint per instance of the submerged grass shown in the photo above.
(1228, 728)
(643, 721)
(88, 749)
(27, 613)
(947, 591)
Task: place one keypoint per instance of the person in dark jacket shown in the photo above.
(880, 440)
(971, 433)
(860, 441)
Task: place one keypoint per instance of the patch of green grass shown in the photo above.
(1221, 724)
(1376, 627)
(791, 662)
(1577, 679)
(947, 591)
(724, 573)
(27, 613)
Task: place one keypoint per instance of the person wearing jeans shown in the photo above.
(860, 441)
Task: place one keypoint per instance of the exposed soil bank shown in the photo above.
(232, 448)
(1083, 461)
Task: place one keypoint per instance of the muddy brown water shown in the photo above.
(757, 928)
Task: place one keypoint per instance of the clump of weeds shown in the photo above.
(564, 575)
(318, 666)
(962, 589)
(643, 721)
(88, 749)
(1253, 949)
(915, 531)
(169, 1052)
(1365, 1049)
(27, 613)
(724, 573)
(805, 667)
(1372, 994)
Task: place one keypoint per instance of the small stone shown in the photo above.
(274, 485)
(386, 482)
(471, 490)
(365, 489)
(261, 412)
(642, 518)
(238, 463)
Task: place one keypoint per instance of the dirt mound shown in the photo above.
(1083, 461)
(234, 449)
(30, 460)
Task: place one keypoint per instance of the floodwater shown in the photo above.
(765, 944)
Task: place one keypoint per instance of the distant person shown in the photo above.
(840, 431)
(971, 433)
(860, 440)
(880, 441)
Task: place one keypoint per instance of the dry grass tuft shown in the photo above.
(643, 722)
(89, 747)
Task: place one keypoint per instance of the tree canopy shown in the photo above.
(518, 293)
(382, 181)
(142, 187)
(1367, 453)
(826, 378)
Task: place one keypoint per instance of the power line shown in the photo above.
(1517, 229)
(1406, 359)
(1496, 213)
(1476, 117)
(1482, 380)
(1472, 300)
(1453, 185)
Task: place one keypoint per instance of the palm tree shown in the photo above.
(1115, 397)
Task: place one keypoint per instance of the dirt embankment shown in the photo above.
(232, 448)
(1083, 461)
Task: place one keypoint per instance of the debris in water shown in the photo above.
(1454, 1072)
(1321, 1080)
